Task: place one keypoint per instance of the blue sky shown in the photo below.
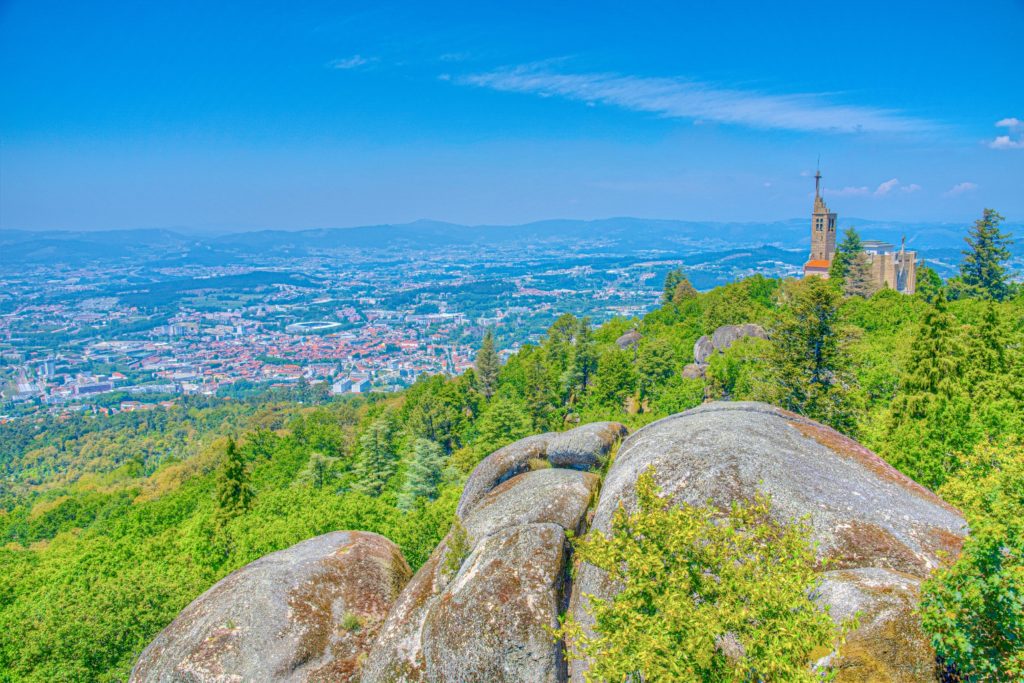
(230, 116)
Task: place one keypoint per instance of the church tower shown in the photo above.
(823, 226)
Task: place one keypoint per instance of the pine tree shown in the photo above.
(614, 380)
(234, 495)
(809, 361)
(538, 391)
(846, 252)
(672, 281)
(377, 457)
(684, 291)
(505, 420)
(859, 280)
(930, 417)
(488, 363)
(929, 284)
(584, 361)
(424, 473)
(983, 272)
(655, 363)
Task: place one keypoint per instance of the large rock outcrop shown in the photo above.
(882, 532)
(307, 613)
(481, 606)
(717, 342)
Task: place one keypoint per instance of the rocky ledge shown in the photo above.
(480, 608)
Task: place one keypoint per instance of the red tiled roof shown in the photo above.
(817, 263)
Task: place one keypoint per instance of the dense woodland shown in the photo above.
(112, 525)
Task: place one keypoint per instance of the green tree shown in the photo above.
(672, 281)
(684, 291)
(234, 495)
(424, 474)
(488, 364)
(974, 609)
(809, 360)
(930, 416)
(983, 272)
(929, 284)
(377, 458)
(503, 421)
(846, 252)
(654, 364)
(614, 380)
(583, 362)
(859, 279)
(705, 596)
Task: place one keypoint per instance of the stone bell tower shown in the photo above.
(823, 226)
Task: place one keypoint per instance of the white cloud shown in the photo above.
(849, 191)
(912, 187)
(1015, 140)
(352, 62)
(961, 188)
(681, 98)
(886, 187)
(1006, 142)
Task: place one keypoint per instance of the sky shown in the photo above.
(222, 116)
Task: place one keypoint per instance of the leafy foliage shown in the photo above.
(705, 596)
(974, 608)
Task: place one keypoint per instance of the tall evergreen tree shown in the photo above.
(930, 417)
(684, 291)
(488, 364)
(846, 252)
(376, 457)
(503, 421)
(672, 281)
(424, 473)
(929, 284)
(539, 394)
(809, 360)
(234, 495)
(614, 380)
(655, 363)
(584, 361)
(983, 273)
(859, 280)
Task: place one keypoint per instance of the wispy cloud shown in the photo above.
(1015, 140)
(849, 191)
(353, 62)
(961, 188)
(883, 189)
(681, 98)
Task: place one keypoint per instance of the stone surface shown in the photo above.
(629, 340)
(499, 466)
(483, 619)
(578, 448)
(862, 512)
(722, 338)
(546, 496)
(889, 644)
(694, 371)
(489, 622)
(583, 447)
(283, 617)
(702, 350)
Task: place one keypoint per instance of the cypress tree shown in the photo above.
(983, 272)
(424, 473)
(377, 457)
(809, 361)
(487, 363)
(930, 418)
(234, 495)
(846, 251)
(859, 279)
(584, 360)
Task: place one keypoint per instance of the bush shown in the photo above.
(706, 596)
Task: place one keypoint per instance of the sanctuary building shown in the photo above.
(892, 268)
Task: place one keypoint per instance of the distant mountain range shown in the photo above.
(610, 235)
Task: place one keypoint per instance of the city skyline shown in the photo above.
(244, 118)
